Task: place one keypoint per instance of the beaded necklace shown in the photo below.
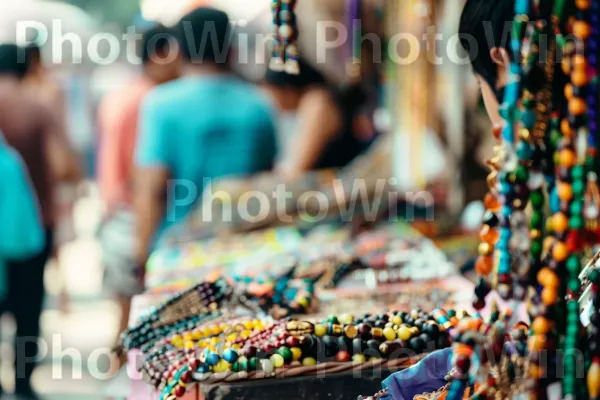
(285, 50)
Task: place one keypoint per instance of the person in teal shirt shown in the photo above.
(208, 124)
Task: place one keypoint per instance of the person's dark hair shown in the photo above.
(307, 77)
(204, 35)
(34, 53)
(156, 41)
(13, 60)
(485, 24)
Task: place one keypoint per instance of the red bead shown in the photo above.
(463, 363)
(291, 341)
(343, 356)
(504, 278)
(478, 304)
(575, 241)
(186, 377)
(179, 391)
(194, 364)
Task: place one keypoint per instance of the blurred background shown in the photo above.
(438, 146)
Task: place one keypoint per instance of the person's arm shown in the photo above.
(320, 121)
(151, 177)
(63, 160)
(112, 177)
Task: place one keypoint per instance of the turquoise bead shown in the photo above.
(576, 207)
(230, 356)
(528, 118)
(578, 188)
(576, 222)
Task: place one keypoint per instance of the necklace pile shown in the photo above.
(546, 157)
(251, 347)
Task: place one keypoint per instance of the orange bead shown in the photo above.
(567, 158)
(565, 191)
(489, 235)
(565, 128)
(548, 278)
(560, 252)
(568, 95)
(579, 78)
(535, 371)
(580, 62)
(582, 4)
(541, 326)
(582, 29)
(566, 66)
(577, 106)
(537, 343)
(549, 296)
(484, 265)
(560, 222)
(548, 242)
(491, 202)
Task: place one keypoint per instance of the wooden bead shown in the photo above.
(577, 106)
(568, 92)
(566, 128)
(582, 29)
(560, 252)
(565, 191)
(484, 265)
(489, 235)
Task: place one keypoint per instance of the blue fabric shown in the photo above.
(424, 377)
(21, 231)
(202, 128)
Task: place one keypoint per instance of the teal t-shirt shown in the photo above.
(202, 128)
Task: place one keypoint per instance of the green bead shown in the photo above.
(509, 112)
(576, 207)
(578, 172)
(576, 222)
(537, 219)
(522, 174)
(573, 305)
(537, 199)
(286, 353)
(243, 364)
(555, 137)
(332, 319)
(536, 248)
(578, 188)
(235, 367)
(594, 276)
(253, 364)
(573, 264)
(451, 313)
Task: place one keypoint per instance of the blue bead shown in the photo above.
(203, 368)
(230, 356)
(554, 201)
(213, 359)
(523, 150)
(528, 118)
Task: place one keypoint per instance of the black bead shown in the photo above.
(416, 344)
(432, 330)
(373, 344)
(442, 342)
(491, 219)
(482, 289)
(331, 346)
(358, 345)
(595, 318)
(419, 323)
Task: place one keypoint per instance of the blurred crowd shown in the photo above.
(189, 118)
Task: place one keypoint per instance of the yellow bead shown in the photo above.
(593, 380)
(303, 302)
(277, 360)
(232, 337)
(320, 330)
(187, 337)
(404, 333)
(222, 366)
(215, 330)
(236, 346)
(397, 320)
(248, 325)
(197, 335)
(359, 358)
(189, 344)
(389, 333)
(346, 319)
(309, 361)
(296, 353)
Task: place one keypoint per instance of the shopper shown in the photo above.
(319, 124)
(118, 118)
(33, 130)
(205, 125)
